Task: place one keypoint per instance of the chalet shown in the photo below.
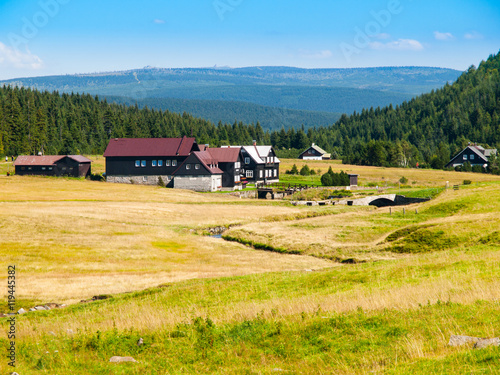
(146, 160)
(474, 154)
(315, 153)
(53, 165)
(199, 172)
(260, 164)
(230, 162)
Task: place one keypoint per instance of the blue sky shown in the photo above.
(46, 37)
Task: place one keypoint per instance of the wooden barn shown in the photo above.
(146, 160)
(53, 165)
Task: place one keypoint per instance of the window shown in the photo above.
(275, 173)
(237, 165)
(247, 160)
(160, 163)
(261, 173)
(174, 163)
(472, 157)
(465, 157)
(23, 168)
(196, 166)
(143, 163)
(137, 163)
(167, 163)
(154, 163)
(237, 178)
(249, 174)
(50, 168)
(188, 166)
(43, 168)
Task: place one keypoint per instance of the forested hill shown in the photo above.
(427, 129)
(32, 122)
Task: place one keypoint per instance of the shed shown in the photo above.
(315, 153)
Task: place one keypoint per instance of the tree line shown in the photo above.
(427, 130)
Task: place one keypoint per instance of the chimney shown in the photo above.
(207, 145)
(313, 144)
(254, 142)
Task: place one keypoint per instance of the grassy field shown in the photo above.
(204, 305)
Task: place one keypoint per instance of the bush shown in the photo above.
(403, 180)
(161, 183)
(305, 170)
(331, 178)
(96, 177)
(467, 182)
(294, 170)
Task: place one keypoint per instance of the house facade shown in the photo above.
(315, 153)
(474, 154)
(260, 164)
(53, 165)
(230, 161)
(199, 172)
(146, 160)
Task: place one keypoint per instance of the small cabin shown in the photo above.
(315, 153)
(474, 154)
(53, 165)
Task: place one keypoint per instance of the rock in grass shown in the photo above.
(117, 359)
(456, 340)
(21, 311)
(484, 343)
(140, 342)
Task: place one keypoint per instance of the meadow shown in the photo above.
(347, 290)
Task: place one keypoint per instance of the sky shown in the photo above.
(53, 37)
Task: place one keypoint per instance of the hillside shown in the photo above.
(270, 118)
(216, 91)
(427, 129)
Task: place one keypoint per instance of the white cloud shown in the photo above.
(383, 36)
(13, 58)
(398, 45)
(316, 55)
(443, 36)
(159, 22)
(473, 35)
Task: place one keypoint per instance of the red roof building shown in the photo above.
(53, 165)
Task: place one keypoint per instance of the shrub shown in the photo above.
(467, 182)
(305, 170)
(161, 183)
(403, 180)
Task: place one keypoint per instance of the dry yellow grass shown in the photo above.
(378, 175)
(72, 239)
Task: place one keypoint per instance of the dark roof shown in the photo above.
(150, 147)
(318, 149)
(225, 155)
(47, 159)
(206, 158)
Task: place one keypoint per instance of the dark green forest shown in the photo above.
(426, 130)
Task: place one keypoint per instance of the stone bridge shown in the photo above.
(385, 200)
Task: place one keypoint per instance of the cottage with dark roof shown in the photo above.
(146, 160)
(315, 153)
(474, 154)
(53, 165)
(199, 172)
